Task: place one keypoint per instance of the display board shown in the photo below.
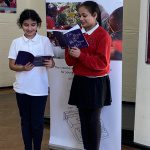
(64, 121)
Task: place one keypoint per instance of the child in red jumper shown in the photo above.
(90, 89)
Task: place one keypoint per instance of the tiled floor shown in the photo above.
(10, 135)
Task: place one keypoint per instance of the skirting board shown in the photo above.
(58, 147)
(127, 139)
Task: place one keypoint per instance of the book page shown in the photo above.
(73, 28)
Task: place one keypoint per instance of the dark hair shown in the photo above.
(92, 7)
(29, 14)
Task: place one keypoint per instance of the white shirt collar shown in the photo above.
(90, 31)
(34, 39)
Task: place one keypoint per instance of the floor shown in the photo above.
(10, 135)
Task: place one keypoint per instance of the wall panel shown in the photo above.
(9, 31)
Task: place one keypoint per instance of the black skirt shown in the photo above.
(90, 92)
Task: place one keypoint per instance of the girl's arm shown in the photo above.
(19, 68)
(71, 61)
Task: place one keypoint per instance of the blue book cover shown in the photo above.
(38, 60)
(72, 37)
(25, 57)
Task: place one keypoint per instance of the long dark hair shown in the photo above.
(92, 7)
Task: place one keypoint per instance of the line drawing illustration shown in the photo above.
(72, 119)
(71, 116)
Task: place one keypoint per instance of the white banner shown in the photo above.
(64, 121)
(64, 124)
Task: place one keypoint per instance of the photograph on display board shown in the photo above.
(55, 41)
(62, 16)
(113, 24)
(7, 6)
(148, 39)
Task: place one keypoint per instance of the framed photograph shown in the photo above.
(7, 6)
(147, 60)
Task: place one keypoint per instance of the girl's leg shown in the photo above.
(90, 128)
(95, 129)
(23, 102)
(37, 118)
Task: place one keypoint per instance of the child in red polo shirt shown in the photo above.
(90, 89)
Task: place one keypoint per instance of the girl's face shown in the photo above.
(30, 28)
(88, 20)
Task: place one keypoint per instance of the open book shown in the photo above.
(24, 57)
(72, 38)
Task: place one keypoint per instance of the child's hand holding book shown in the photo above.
(49, 63)
(75, 52)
